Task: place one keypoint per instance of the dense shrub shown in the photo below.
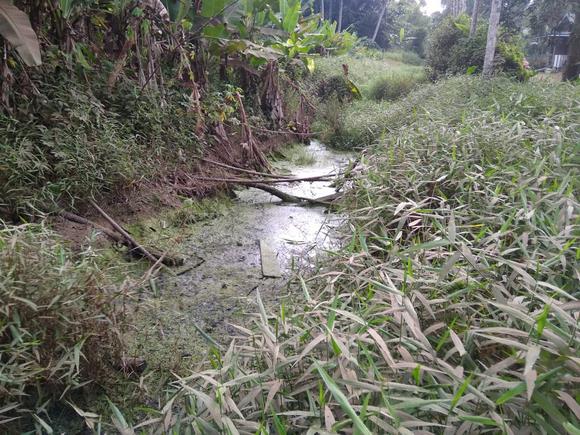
(334, 86)
(357, 125)
(452, 51)
(73, 141)
(56, 323)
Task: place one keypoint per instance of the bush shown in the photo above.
(74, 141)
(451, 50)
(56, 323)
(394, 85)
(404, 56)
(357, 125)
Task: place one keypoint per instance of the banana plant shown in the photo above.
(16, 29)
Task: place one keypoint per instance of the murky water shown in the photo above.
(221, 290)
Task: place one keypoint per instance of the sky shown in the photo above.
(432, 6)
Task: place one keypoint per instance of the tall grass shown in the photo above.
(453, 307)
(395, 85)
(58, 327)
(363, 69)
(296, 154)
(75, 140)
(380, 76)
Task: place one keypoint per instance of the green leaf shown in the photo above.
(342, 400)
(354, 90)
(571, 429)
(16, 29)
(309, 62)
(216, 31)
(478, 420)
(290, 14)
(417, 374)
(521, 387)
(119, 420)
(212, 8)
(541, 321)
(460, 392)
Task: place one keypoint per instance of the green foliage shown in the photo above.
(394, 85)
(296, 154)
(364, 65)
(451, 51)
(512, 57)
(378, 75)
(57, 324)
(356, 126)
(450, 305)
(75, 144)
(191, 211)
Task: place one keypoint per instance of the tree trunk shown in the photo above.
(379, 21)
(322, 9)
(491, 37)
(474, 17)
(330, 10)
(573, 66)
(457, 7)
(340, 15)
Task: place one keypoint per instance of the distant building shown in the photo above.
(559, 40)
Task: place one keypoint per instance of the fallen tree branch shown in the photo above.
(250, 181)
(125, 234)
(245, 171)
(286, 197)
(117, 238)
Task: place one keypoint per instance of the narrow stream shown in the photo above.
(221, 290)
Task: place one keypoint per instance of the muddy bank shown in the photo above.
(176, 325)
(149, 198)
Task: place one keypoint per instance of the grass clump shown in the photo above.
(394, 85)
(296, 154)
(403, 56)
(344, 122)
(453, 305)
(354, 126)
(362, 68)
(58, 329)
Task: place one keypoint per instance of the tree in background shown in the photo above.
(380, 21)
(455, 7)
(492, 32)
(572, 70)
(474, 18)
(542, 17)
